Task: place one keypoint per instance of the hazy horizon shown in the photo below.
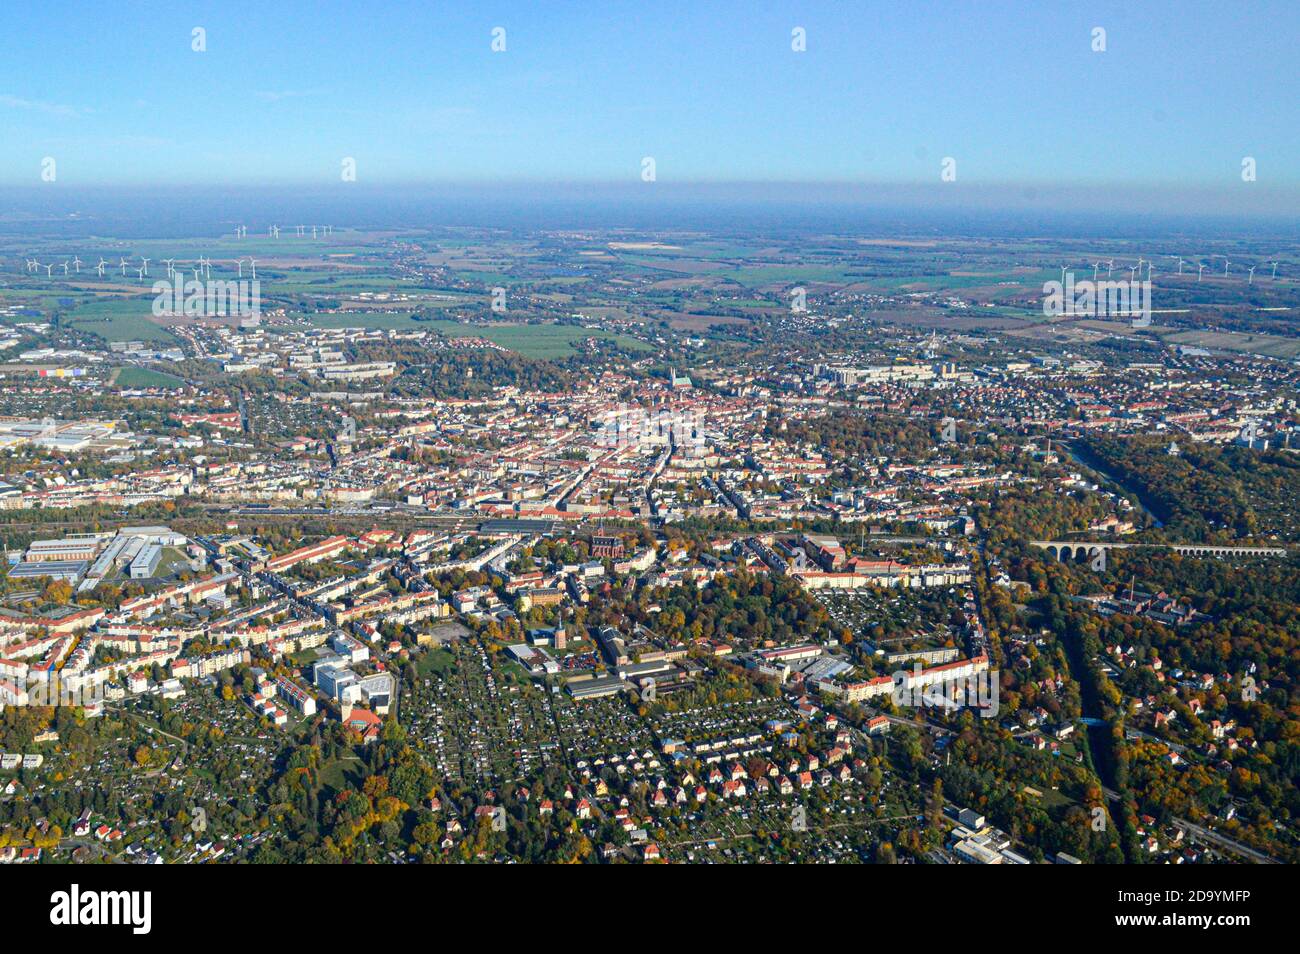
(1023, 106)
(768, 207)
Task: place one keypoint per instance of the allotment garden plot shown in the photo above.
(479, 721)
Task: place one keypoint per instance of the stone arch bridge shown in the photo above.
(1093, 553)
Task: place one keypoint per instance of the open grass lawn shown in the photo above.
(132, 377)
(338, 774)
(434, 661)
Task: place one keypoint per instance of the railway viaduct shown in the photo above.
(1093, 553)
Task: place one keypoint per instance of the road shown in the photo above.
(1213, 837)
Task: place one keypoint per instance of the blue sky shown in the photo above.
(711, 90)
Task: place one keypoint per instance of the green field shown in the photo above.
(132, 377)
(119, 319)
(435, 661)
(531, 341)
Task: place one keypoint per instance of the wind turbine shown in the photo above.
(1251, 280)
(100, 267)
(1199, 268)
(275, 231)
(1110, 267)
(239, 264)
(144, 263)
(1150, 271)
(1275, 264)
(170, 270)
(77, 262)
(1133, 271)
(1180, 265)
(65, 269)
(139, 273)
(300, 229)
(1225, 267)
(313, 231)
(122, 264)
(252, 263)
(49, 270)
(1095, 267)
(1062, 274)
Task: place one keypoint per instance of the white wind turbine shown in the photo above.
(1133, 271)
(1251, 280)
(121, 262)
(239, 264)
(77, 262)
(252, 263)
(1199, 268)
(1275, 264)
(49, 271)
(1110, 267)
(100, 267)
(1096, 266)
(169, 262)
(1225, 267)
(139, 273)
(1180, 265)
(144, 264)
(65, 269)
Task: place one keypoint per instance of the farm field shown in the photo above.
(531, 341)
